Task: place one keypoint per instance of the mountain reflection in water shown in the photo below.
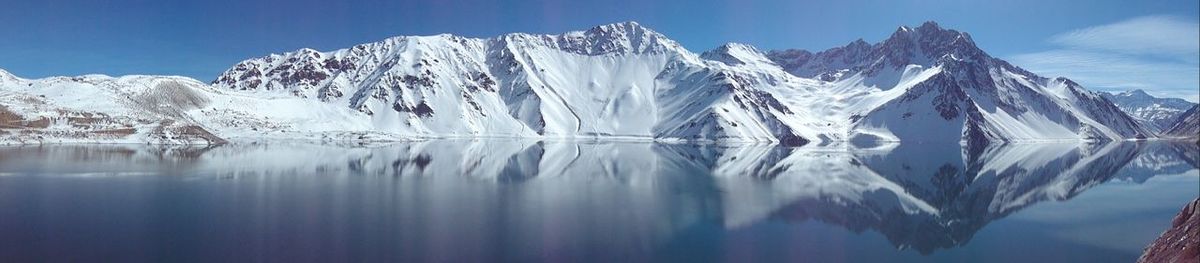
(452, 200)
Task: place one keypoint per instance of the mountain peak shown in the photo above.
(858, 44)
(924, 27)
(620, 37)
(929, 25)
(627, 27)
(1135, 93)
(1068, 82)
(5, 76)
(930, 42)
(736, 54)
(926, 30)
(628, 24)
(1157, 113)
(731, 46)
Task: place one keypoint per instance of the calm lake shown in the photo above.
(516, 200)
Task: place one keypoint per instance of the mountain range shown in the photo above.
(1157, 114)
(617, 81)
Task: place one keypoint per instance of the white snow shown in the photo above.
(617, 81)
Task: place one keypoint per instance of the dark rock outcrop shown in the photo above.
(1180, 243)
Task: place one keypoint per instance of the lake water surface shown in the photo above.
(515, 200)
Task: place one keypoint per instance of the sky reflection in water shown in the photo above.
(521, 200)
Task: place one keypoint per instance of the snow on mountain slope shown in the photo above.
(929, 83)
(1187, 125)
(163, 110)
(621, 81)
(617, 80)
(95, 108)
(1156, 114)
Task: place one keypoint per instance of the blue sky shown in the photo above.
(1106, 45)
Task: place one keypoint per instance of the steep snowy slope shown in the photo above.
(1186, 126)
(929, 84)
(1156, 114)
(617, 80)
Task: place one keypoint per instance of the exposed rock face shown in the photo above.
(620, 80)
(1186, 126)
(936, 83)
(925, 84)
(1181, 243)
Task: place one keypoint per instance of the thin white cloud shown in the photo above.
(1154, 35)
(1159, 54)
(1112, 72)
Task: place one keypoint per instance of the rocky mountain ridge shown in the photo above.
(617, 81)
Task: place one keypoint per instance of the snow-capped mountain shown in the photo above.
(1187, 125)
(928, 82)
(612, 81)
(618, 80)
(95, 108)
(1156, 114)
